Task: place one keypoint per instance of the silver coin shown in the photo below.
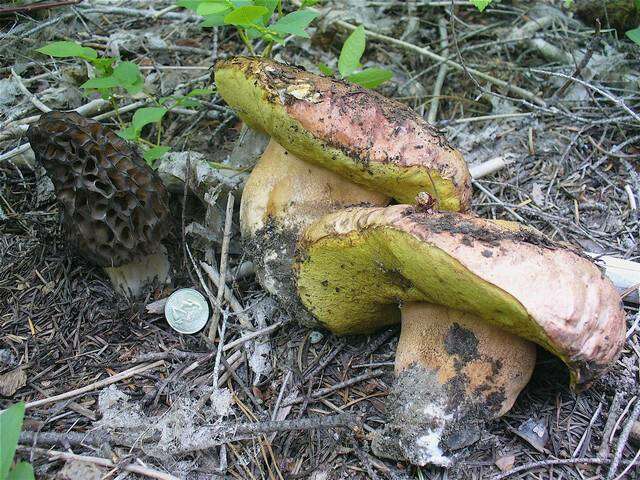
(186, 311)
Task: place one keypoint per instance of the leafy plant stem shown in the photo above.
(114, 105)
(246, 41)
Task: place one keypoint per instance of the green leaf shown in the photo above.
(145, 116)
(100, 83)
(188, 103)
(311, 3)
(371, 77)
(213, 20)
(128, 73)
(10, 425)
(634, 35)
(352, 51)
(129, 133)
(154, 153)
(481, 4)
(245, 16)
(22, 471)
(205, 9)
(326, 69)
(295, 23)
(128, 76)
(270, 5)
(201, 91)
(103, 65)
(68, 49)
(189, 4)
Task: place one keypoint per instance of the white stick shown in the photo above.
(624, 274)
(94, 386)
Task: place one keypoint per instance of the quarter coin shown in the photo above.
(186, 311)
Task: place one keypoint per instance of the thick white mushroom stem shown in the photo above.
(295, 193)
(134, 278)
(454, 370)
(282, 196)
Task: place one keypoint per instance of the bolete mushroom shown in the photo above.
(333, 145)
(115, 207)
(471, 295)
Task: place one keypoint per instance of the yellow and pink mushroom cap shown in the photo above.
(373, 141)
(357, 266)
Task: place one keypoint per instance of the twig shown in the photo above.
(604, 93)
(442, 72)
(496, 199)
(74, 439)
(280, 395)
(224, 259)
(225, 433)
(15, 152)
(549, 463)
(439, 58)
(622, 441)
(32, 98)
(587, 430)
(96, 385)
(591, 46)
(338, 386)
(104, 462)
(37, 6)
(252, 335)
(135, 12)
(228, 295)
(216, 364)
(605, 446)
(485, 169)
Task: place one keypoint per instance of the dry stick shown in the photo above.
(496, 199)
(604, 93)
(252, 335)
(104, 462)
(343, 420)
(605, 446)
(216, 364)
(549, 463)
(587, 430)
(224, 259)
(32, 98)
(96, 385)
(347, 383)
(235, 305)
(428, 53)
(442, 72)
(32, 7)
(622, 441)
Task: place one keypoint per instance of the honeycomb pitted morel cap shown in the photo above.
(115, 205)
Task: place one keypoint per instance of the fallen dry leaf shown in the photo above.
(11, 381)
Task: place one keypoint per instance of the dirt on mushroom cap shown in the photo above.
(115, 205)
(370, 139)
(356, 266)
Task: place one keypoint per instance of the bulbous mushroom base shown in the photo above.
(454, 372)
(133, 278)
(282, 196)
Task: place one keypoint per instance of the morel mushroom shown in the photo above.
(471, 295)
(333, 145)
(115, 208)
